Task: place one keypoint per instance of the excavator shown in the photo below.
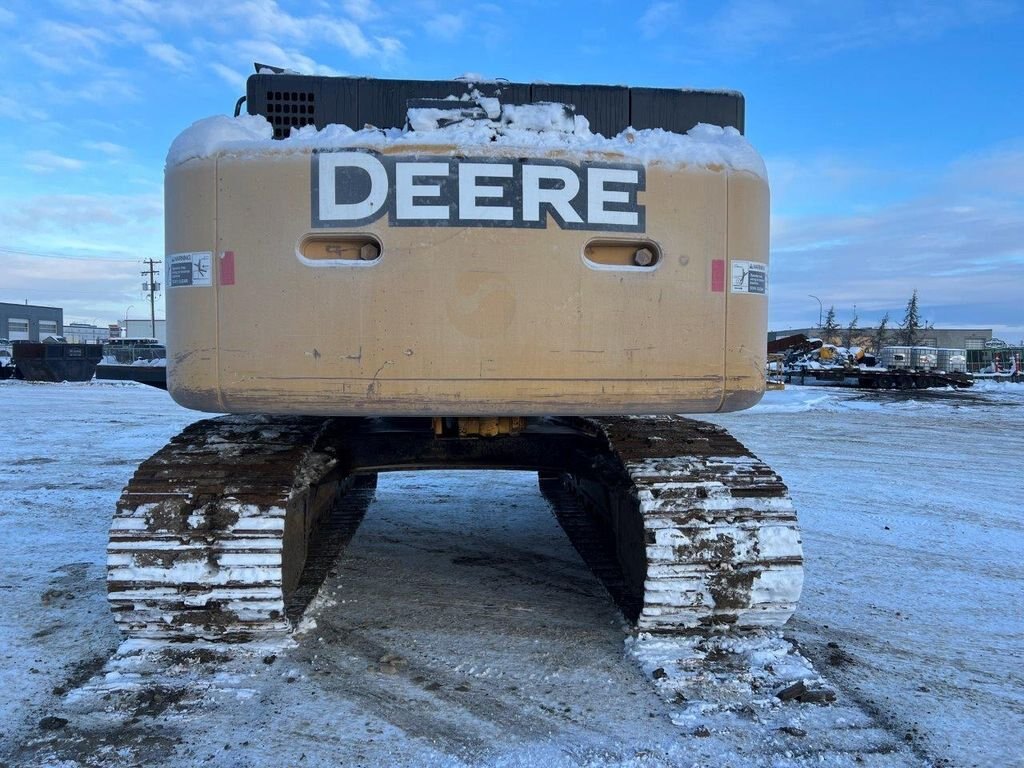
(369, 275)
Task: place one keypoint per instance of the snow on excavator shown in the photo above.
(372, 275)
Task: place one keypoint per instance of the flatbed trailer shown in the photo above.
(864, 377)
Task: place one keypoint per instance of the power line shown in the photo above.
(65, 256)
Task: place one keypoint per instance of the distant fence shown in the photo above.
(126, 354)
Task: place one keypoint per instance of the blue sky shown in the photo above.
(893, 132)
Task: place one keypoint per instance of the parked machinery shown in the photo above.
(490, 284)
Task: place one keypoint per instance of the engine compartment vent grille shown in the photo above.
(289, 109)
(291, 101)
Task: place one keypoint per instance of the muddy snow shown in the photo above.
(459, 626)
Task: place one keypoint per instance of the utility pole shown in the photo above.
(151, 288)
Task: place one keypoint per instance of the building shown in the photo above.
(86, 333)
(25, 322)
(943, 338)
(143, 329)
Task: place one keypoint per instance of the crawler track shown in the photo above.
(704, 529)
(209, 537)
(226, 532)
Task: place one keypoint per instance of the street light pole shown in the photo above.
(129, 307)
(819, 307)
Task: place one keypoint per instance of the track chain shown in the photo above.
(197, 543)
(720, 542)
(226, 532)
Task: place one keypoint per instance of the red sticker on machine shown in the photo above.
(718, 275)
(227, 268)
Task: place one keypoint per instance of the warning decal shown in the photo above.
(749, 277)
(184, 269)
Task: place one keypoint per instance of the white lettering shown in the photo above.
(598, 196)
(330, 209)
(510, 193)
(470, 191)
(559, 199)
(407, 190)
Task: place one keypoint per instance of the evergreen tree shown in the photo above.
(850, 330)
(831, 328)
(908, 334)
(881, 333)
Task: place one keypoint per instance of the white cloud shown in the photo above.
(168, 54)
(88, 232)
(999, 170)
(136, 33)
(25, 220)
(106, 86)
(71, 35)
(269, 24)
(255, 30)
(885, 23)
(389, 46)
(265, 18)
(162, 11)
(348, 36)
(229, 75)
(66, 47)
(362, 10)
(107, 148)
(53, 62)
(746, 24)
(796, 183)
(809, 28)
(44, 161)
(656, 18)
(91, 286)
(446, 26)
(111, 86)
(21, 110)
(270, 53)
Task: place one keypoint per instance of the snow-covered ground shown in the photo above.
(460, 627)
(913, 527)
